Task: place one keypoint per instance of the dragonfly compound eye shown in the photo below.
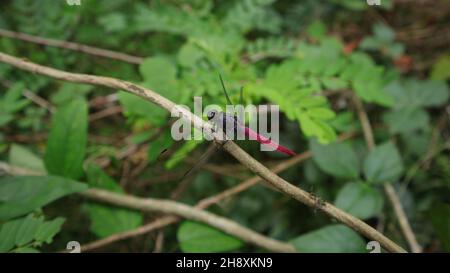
(211, 114)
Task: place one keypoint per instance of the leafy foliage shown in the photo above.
(25, 234)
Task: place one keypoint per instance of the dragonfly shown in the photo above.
(230, 124)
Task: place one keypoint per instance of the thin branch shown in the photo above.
(72, 46)
(388, 188)
(105, 113)
(188, 212)
(156, 224)
(231, 147)
(32, 96)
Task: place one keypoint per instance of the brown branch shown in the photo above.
(185, 211)
(105, 113)
(388, 188)
(72, 46)
(32, 96)
(252, 164)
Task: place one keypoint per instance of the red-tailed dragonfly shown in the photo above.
(232, 126)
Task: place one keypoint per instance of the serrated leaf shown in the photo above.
(196, 237)
(337, 159)
(66, 145)
(321, 113)
(383, 164)
(22, 232)
(360, 200)
(22, 194)
(330, 239)
(48, 230)
(26, 230)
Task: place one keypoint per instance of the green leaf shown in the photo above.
(384, 33)
(12, 101)
(135, 106)
(330, 239)
(414, 93)
(383, 164)
(440, 219)
(317, 30)
(181, 153)
(360, 200)
(196, 237)
(321, 113)
(107, 220)
(406, 119)
(433, 93)
(26, 230)
(189, 54)
(8, 232)
(22, 194)
(20, 233)
(337, 159)
(158, 70)
(315, 127)
(22, 157)
(66, 145)
(113, 22)
(48, 230)
(334, 83)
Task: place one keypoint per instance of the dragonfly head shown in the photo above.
(211, 114)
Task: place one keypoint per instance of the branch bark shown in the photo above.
(72, 46)
(231, 147)
(181, 210)
(388, 188)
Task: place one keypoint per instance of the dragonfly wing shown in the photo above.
(204, 158)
